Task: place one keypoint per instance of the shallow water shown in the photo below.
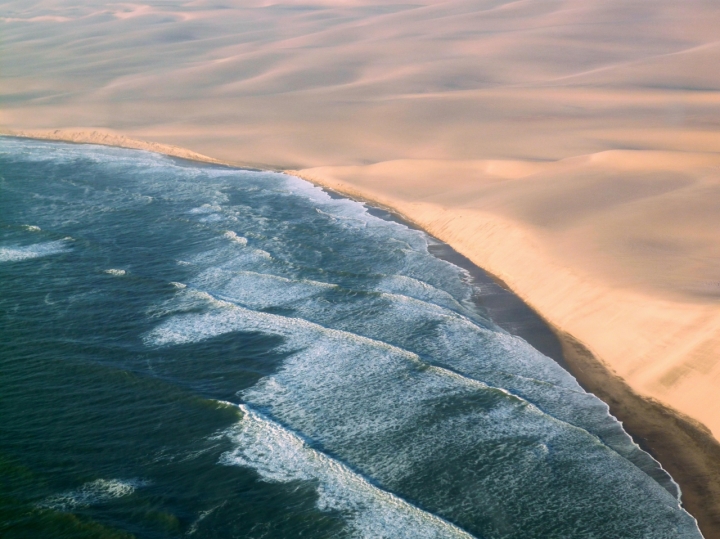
(191, 350)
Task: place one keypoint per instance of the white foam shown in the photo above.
(115, 272)
(185, 299)
(352, 214)
(232, 236)
(213, 218)
(379, 415)
(32, 228)
(205, 209)
(258, 290)
(202, 516)
(15, 253)
(183, 329)
(415, 288)
(232, 258)
(92, 493)
(359, 217)
(322, 357)
(409, 302)
(279, 455)
(364, 400)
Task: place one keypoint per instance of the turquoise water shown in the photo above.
(198, 351)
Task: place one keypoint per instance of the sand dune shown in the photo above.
(572, 147)
(304, 84)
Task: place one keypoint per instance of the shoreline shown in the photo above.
(683, 446)
(106, 137)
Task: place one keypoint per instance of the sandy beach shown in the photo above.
(570, 148)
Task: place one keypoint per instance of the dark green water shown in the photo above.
(195, 351)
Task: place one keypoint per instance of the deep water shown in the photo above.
(199, 351)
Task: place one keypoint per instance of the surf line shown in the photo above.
(320, 467)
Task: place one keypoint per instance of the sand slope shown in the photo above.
(572, 147)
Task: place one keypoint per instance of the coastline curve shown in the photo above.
(684, 447)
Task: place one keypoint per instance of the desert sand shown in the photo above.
(570, 147)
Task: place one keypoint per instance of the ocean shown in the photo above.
(191, 350)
